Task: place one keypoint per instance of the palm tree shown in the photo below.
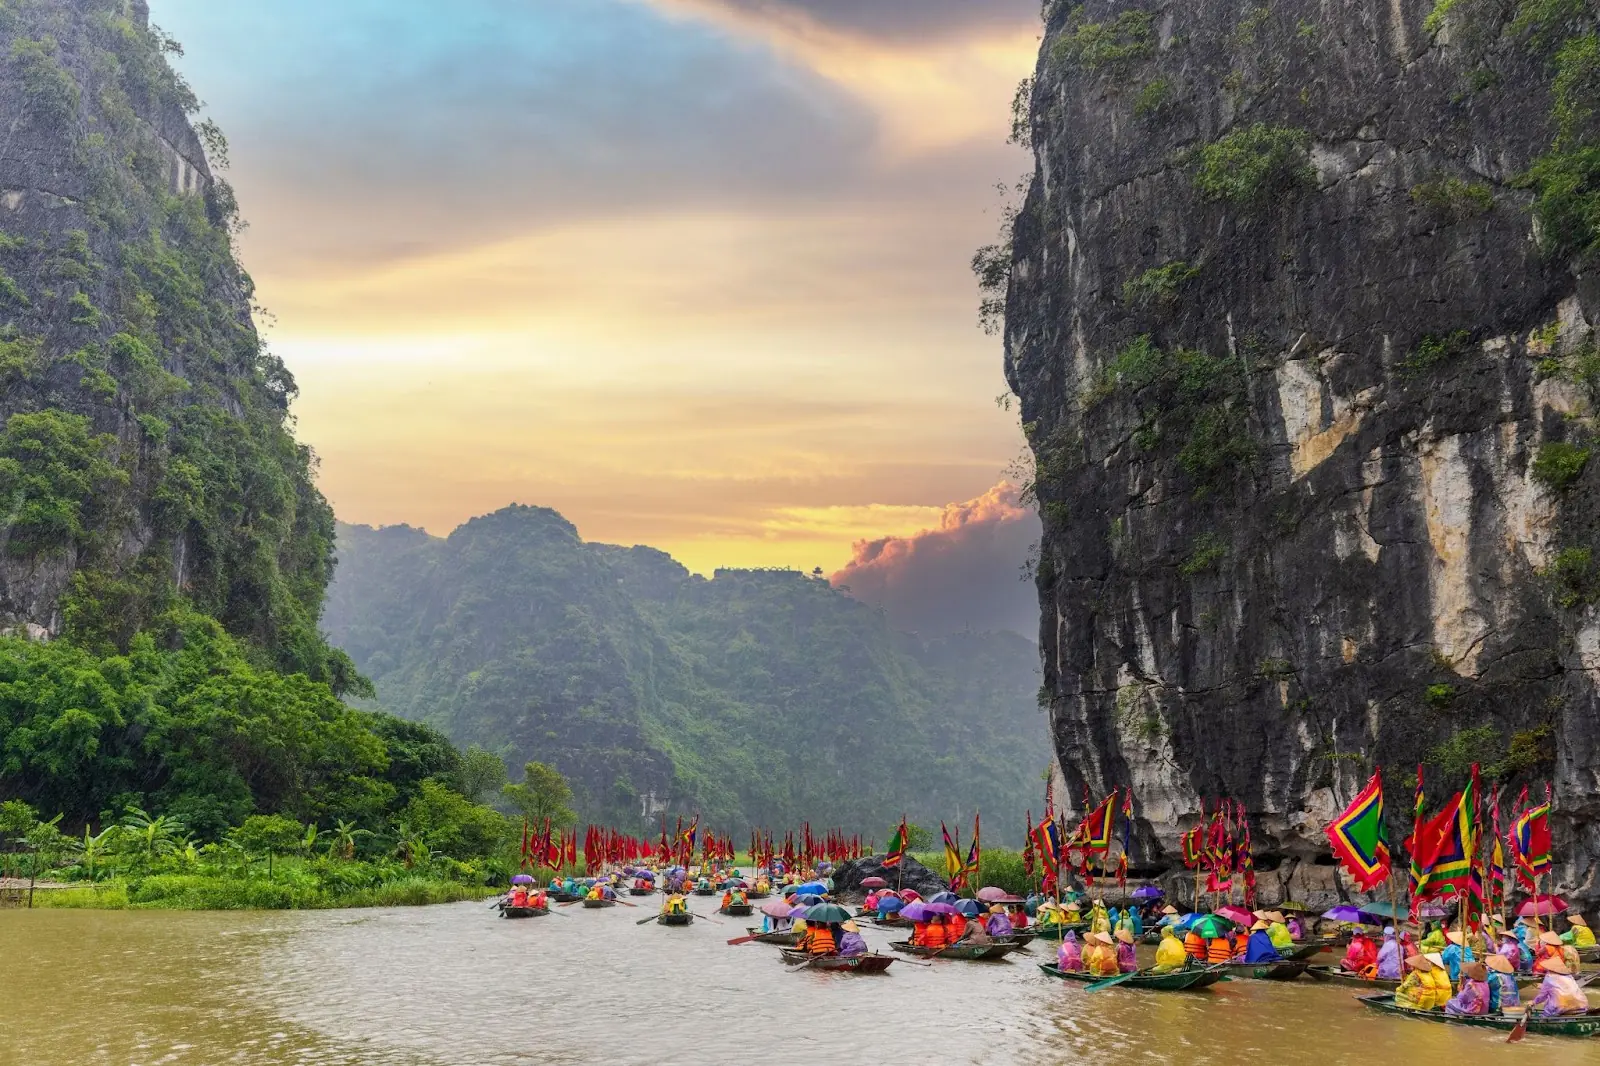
(152, 836)
(96, 847)
(410, 845)
(309, 841)
(343, 843)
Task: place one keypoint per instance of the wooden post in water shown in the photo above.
(33, 875)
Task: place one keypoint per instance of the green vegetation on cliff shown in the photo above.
(755, 697)
(158, 521)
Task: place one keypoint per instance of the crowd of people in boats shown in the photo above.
(1458, 972)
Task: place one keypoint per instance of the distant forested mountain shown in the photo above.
(756, 697)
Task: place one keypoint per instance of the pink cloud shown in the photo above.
(966, 574)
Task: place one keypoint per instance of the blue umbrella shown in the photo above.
(816, 887)
(891, 904)
(806, 899)
(943, 897)
(971, 908)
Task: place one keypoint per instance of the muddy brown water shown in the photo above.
(457, 986)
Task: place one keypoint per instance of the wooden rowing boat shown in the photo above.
(635, 891)
(753, 894)
(705, 892)
(786, 940)
(853, 964)
(1022, 940)
(1304, 951)
(1265, 971)
(674, 919)
(737, 910)
(967, 952)
(523, 912)
(892, 921)
(564, 897)
(1587, 1024)
(1058, 932)
(1176, 981)
(596, 904)
(1345, 977)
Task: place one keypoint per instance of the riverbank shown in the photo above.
(200, 893)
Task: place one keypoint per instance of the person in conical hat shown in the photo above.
(1472, 997)
(1579, 935)
(1282, 939)
(1502, 982)
(1170, 955)
(1127, 961)
(1546, 946)
(1559, 994)
(1169, 916)
(1389, 956)
(1416, 990)
(1455, 954)
(1260, 947)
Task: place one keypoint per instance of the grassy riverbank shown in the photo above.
(212, 892)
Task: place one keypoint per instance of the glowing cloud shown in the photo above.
(963, 575)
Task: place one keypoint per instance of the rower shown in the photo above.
(1170, 955)
(1559, 994)
(1578, 929)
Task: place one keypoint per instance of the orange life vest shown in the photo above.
(819, 940)
(1219, 950)
(1194, 946)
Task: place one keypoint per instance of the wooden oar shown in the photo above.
(1110, 981)
(1519, 1030)
(646, 921)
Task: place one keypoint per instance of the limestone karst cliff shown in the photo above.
(144, 452)
(1301, 316)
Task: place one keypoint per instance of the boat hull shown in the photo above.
(1178, 981)
(524, 912)
(1580, 1025)
(838, 963)
(964, 952)
(674, 919)
(597, 904)
(737, 910)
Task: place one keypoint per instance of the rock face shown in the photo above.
(1308, 374)
(144, 454)
(909, 874)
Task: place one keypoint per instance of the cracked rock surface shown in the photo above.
(1319, 544)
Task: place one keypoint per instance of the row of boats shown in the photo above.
(1296, 964)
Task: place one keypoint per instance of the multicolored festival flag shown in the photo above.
(975, 852)
(954, 868)
(1047, 834)
(1530, 842)
(897, 844)
(1443, 850)
(1094, 834)
(1360, 838)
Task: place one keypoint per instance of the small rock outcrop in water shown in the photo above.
(909, 874)
(1301, 314)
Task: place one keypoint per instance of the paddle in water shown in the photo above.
(1519, 1030)
(1111, 982)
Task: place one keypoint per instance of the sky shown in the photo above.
(692, 272)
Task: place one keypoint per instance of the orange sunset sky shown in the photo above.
(693, 272)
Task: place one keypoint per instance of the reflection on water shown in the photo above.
(455, 985)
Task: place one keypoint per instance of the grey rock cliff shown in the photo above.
(1288, 347)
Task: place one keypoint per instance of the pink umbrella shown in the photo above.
(775, 908)
(910, 894)
(1238, 915)
(992, 894)
(1542, 906)
(874, 882)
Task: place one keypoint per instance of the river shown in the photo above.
(456, 986)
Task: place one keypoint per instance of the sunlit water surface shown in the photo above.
(456, 985)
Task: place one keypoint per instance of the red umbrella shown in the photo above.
(992, 895)
(874, 882)
(1542, 906)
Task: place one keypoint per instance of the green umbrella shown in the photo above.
(826, 914)
(1212, 926)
